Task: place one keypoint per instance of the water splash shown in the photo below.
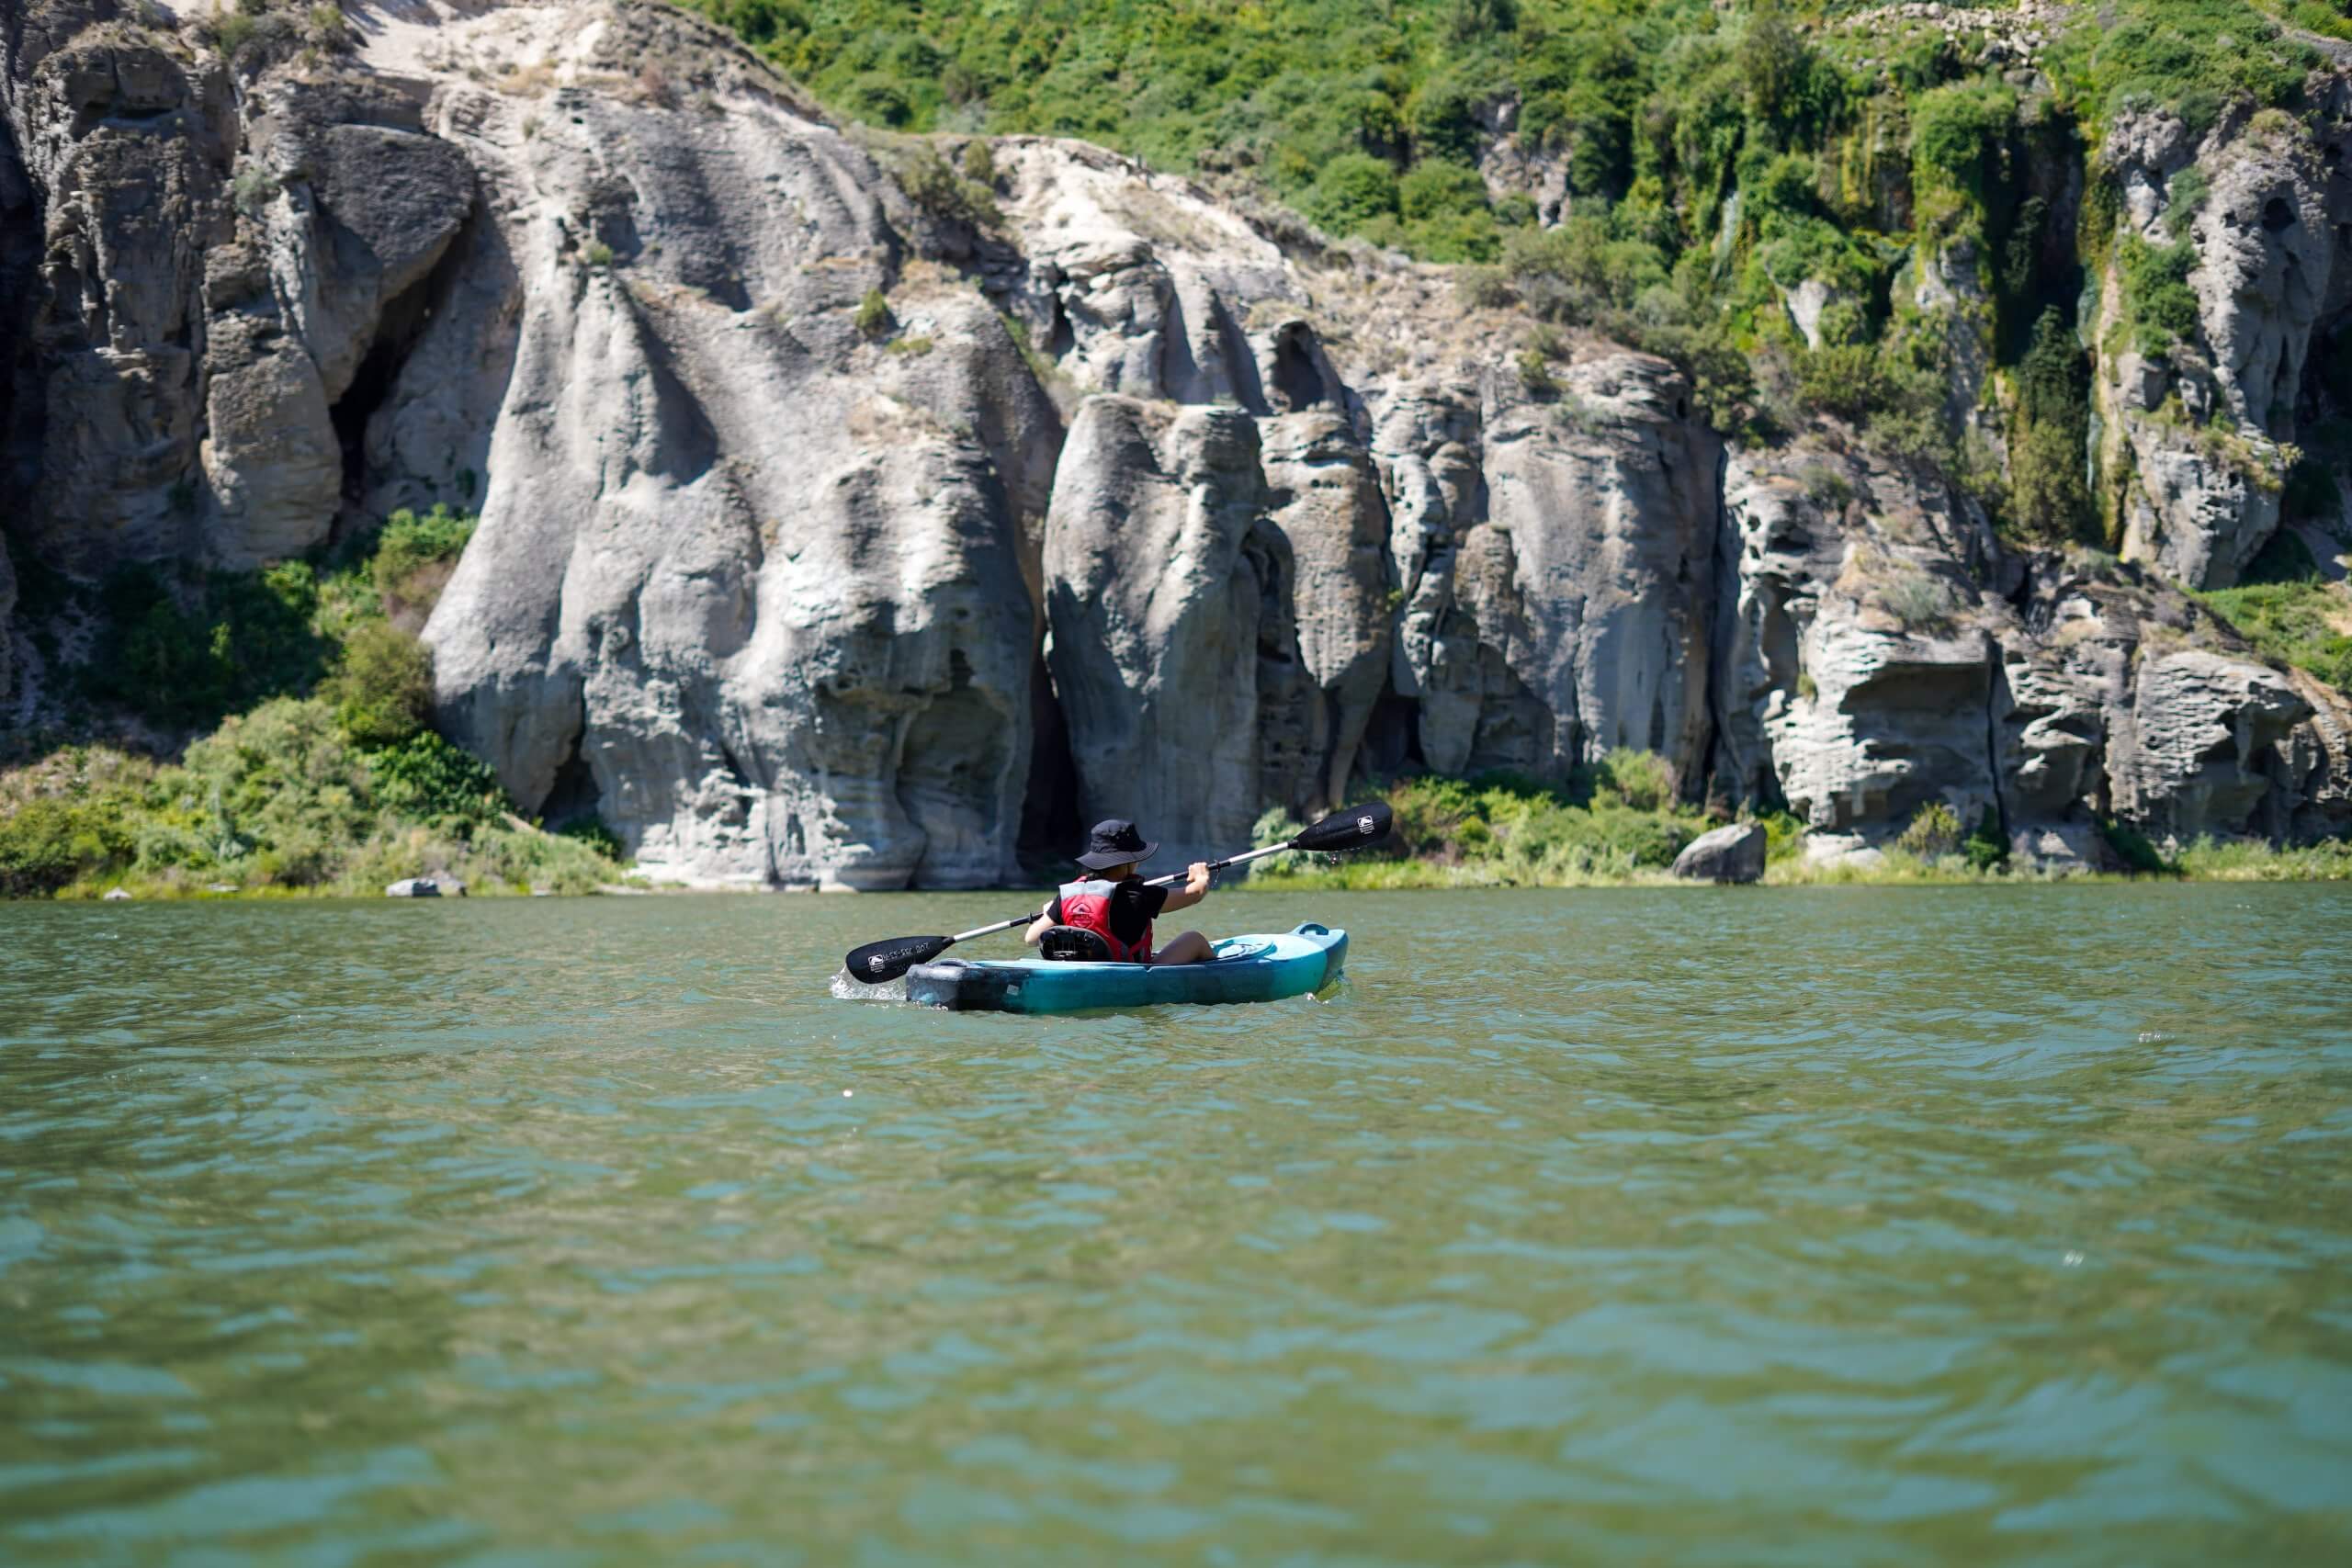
(848, 990)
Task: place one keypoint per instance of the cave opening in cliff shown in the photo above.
(575, 795)
(1049, 831)
(397, 329)
(1297, 380)
(1392, 737)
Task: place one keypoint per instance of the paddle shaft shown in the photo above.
(1215, 865)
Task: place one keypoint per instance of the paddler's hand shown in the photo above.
(1196, 878)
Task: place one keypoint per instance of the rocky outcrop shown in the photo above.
(1857, 674)
(855, 512)
(1175, 650)
(1876, 663)
(748, 580)
(2201, 424)
(1734, 852)
(123, 138)
(1555, 560)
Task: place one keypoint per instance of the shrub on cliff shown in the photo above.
(383, 684)
(932, 184)
(182, 654)
(414, 555)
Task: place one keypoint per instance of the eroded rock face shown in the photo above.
(1555, 562)
(1324, 495)
(1874, 664)
(122, 144)
(2198, 427)
(747, 583)
(1857, 674)
(813, 517)
(1174, 652)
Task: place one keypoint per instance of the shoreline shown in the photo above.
(2204, 863)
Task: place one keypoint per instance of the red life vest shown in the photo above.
(1087, 905)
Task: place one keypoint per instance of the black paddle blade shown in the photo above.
(879, 961)
(1355, 828)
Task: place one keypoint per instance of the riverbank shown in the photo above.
(2206, 860)
(285, 802)
(1618, 825)
(267, 733)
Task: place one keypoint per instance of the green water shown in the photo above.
(1806, 1226)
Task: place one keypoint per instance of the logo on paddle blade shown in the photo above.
(877, 963)
(1363, 824)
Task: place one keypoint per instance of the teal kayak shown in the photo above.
(1245, 969)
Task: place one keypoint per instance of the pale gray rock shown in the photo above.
(1730, 853)
(1161, 495)
(2265, 255)
(1558, 615)
(119, 143)
(1862, 674)
(1169, 590)
(1324, 495)
(1804, 304)
(2317, 800)
(270, 452)
(2198, 746)
(2197, 434)
(747, 584)
(1856, 677)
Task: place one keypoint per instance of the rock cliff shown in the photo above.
(859, 511)
(2201, 417)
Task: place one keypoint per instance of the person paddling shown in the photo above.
(1115, 904)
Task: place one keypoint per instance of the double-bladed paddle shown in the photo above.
(1353, 829)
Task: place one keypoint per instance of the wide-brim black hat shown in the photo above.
(1114, 842)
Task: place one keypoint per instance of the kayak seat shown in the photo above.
(1073, 944)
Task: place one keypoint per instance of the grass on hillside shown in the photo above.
(2289, 612)
(1714, 159)
(329, 781)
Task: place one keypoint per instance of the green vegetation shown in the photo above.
(1934, 834)
(935, 186)
(1620, 824)
(1715, 160)
(2192, 57)
(2292, 615)
(2157, 300)
(873, 318)
(317, 772)
(1502, 830)
(2049, 494)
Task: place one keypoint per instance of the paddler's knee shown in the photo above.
(1185, 947)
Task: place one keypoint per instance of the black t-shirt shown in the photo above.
(1133, 907)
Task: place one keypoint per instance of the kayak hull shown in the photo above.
(1254, 968)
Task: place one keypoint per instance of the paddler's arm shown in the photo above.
(1041, 925)
(1195, 888)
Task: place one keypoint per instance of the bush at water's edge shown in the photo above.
(329, 781)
